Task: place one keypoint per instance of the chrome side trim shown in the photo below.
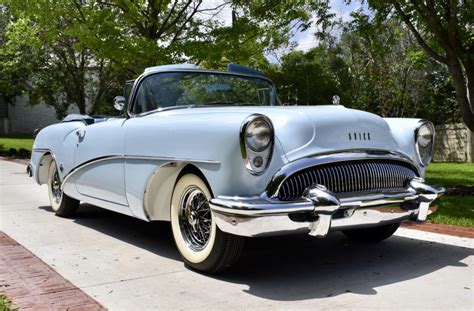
(131, 157)
(41, 150)
(138, 157)
(324, 158)
(86, 164)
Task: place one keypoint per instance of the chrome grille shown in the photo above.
(349, 178)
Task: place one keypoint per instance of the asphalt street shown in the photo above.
(128, 264)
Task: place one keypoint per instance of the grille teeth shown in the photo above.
(349, 178)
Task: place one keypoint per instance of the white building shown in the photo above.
(22, 118)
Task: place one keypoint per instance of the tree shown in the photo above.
(75, 52)
(444, 30)
(43, 60)
(374, 67)
(390, 75)
(307, 78)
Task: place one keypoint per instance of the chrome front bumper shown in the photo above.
(320, 211)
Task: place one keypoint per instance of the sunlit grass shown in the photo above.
(16, 142)
(453, 209)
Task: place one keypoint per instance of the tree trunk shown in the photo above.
(464, 92)
(81, 103)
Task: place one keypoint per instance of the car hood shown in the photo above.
(303, 131)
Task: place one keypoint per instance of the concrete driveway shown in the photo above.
(125, 263)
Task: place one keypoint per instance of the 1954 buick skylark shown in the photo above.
(217, 155)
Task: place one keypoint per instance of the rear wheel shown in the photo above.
(375, 234)
(202, 245)
(61, 204)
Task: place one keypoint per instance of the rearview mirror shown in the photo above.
(119, 102)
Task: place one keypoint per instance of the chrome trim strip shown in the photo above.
(41, 150)
(130, 157)
(324, 158)
(138, 157)
(86, 164)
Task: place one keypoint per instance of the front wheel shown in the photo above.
(61, 204)
(375, 234)
(202, 245)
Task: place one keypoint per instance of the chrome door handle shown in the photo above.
(80, 133)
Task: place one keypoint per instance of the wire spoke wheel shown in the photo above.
(61, 203)
(201, 244)
(56, 188)
(195, 218)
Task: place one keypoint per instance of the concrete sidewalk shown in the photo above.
(125, 263)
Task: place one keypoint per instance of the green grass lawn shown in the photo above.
(450, 175)
(16, 142)
(5, 304)
(453, 209)
(16, 146)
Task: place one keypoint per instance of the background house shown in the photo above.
(22, 118)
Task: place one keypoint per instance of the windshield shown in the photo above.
(184, 89)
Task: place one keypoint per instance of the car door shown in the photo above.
(99, 154)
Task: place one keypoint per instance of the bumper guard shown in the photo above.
(323, 211)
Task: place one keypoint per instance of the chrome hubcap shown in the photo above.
(195, 218)
(56, 188)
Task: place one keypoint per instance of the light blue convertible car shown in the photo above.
(215, 153)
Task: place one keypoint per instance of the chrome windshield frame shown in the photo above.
(145, 75)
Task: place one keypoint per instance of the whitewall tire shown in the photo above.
(61, 204)
(202, 245)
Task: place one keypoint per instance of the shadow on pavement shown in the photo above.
(296, 267)
(155, 237)
(299, 268)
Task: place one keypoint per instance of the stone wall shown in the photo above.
(454, 143)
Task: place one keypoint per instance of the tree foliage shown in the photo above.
(306, 78)
(80, 51)
(378, 68)
(444, 30)
(405, 58)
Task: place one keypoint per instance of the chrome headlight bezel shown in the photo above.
(424, 147)
(252, 153)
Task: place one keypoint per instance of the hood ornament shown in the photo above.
(336, 100)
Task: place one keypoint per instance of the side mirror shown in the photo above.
(119, 103)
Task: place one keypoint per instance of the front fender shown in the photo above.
(56, 142)
(403, 131)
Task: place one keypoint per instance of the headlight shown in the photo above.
(256, 139)
(424, 140)
(258, 135)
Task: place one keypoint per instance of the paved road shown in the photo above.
(129, 264)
